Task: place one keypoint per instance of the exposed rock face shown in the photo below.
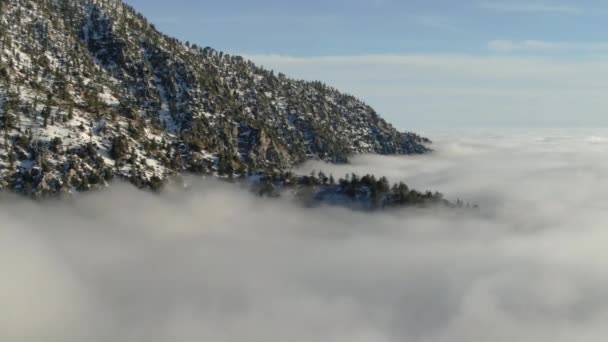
(89, 90)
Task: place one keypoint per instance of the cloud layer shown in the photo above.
(531, 7)
(545, 46)
(211, 263)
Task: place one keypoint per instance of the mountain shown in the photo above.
(90, 90)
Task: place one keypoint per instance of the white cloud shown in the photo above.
(531, 7)
(167, 20)
(527, 45)
(435, 22)
(545, 46)
(461, 90)
(214, 264)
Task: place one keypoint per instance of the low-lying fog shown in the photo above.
(217, 264)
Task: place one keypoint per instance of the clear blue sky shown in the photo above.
(421, 62)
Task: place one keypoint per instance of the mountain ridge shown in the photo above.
(90, 90)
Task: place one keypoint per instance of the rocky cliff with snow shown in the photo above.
(90, 90)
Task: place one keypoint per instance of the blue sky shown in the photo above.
(422, 63)
(338, 27)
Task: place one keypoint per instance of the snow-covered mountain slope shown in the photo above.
(90, 90)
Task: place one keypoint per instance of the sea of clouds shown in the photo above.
(214, 263)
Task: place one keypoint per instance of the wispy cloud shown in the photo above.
(166, 20)
(463, 89)
(531, 7)
(545, 46)
(436, 22)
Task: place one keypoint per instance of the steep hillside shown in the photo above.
(90, 90)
